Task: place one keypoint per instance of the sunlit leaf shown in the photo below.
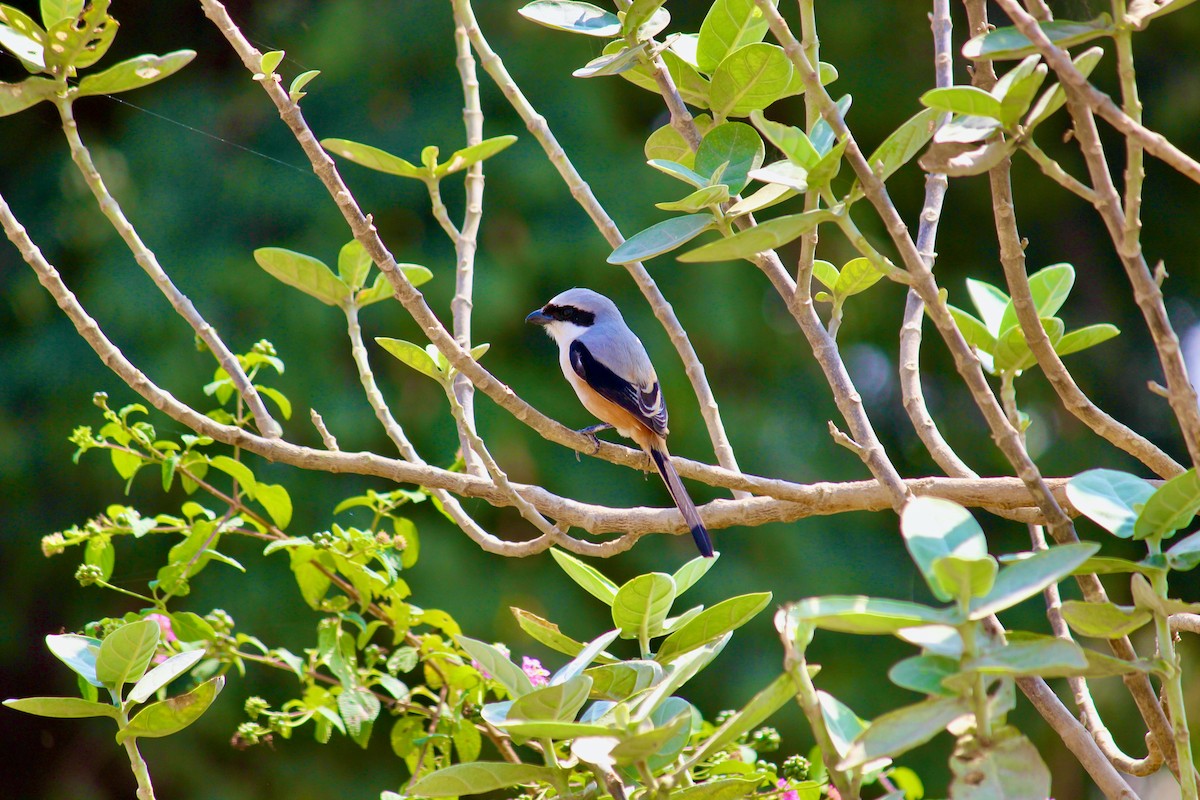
(134, 73)
(660, 238)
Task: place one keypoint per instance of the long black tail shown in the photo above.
(682, 501)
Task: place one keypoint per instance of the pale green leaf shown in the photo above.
(1103, 620)
(764, 236)
(62, 707)
(737, 146)
(1170, 508)
(164, 673)
(1023, 579)
(641, 605)
(967, 100)
(1008, 43)
(868, 615)
(373, 158)
(134, 73)
(497, 665)
(77, 652)
(1054, 98)
(574, 17)
(750, 79)
(712, 623)
(856, 276)
(412, 355)
(276, 500)
(1088, 336)
(555, 703)
(126, 652)
(934, 528)
(303, 272)
(1109, 498)
(586, 576)
(728, 26)
(173, 714)
(901, 730)
(660, 238)
(461, 159)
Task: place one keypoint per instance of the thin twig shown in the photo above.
(911, 392)
(149, 262)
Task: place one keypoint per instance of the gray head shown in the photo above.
(570, 313)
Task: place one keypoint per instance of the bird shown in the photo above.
(607, 366)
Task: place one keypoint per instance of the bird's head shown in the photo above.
(570, 314)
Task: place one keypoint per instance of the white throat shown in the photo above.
(564, 332)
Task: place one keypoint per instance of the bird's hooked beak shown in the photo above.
(539, 317)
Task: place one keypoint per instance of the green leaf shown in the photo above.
(826, 273)
(641, 605)
(100, 552)
(134, 73)
(296, 90)
(191, 627)
(652, 742)
(699, 200)
(903, 143)
(660, 238)
(750, 79)
(412, 355)
(276, 500)
(1088, 336)
(640, 12)
(1169, 508)
(1020, 94)
(305, 273)
(934, 528)
(1103, 620)
(1109, 498)
(679, 172)
(1013, 352)
(16, 97)
(1042, 655)
(359, 708)
(1025, 578)
(1049, 287)
(924, 674)
(791, 141)
(552, 730)
(868, 615)
(586, 576)
(269, 61)
(353, 264)
(901, 730)
(967, 100)
(783, 173)
(591, 652)
(769, 700)
(1185, 555)
(990, 302)
(546, 632)
(622, 680)
(965, 577)
(621, 59)
(712, 623)
(374, 158)
(62, 707)
(668, 144)
(1009, 767)
(1008, 43)
(842, 723)
(1105, 565)
(173, 714)
(77, 652)
(163, 674)
(126, 652)
(686, 576)
(856, 276)
(461, 159)
(764, 236)
(725, 789)
(558, 703)
(23, 37)
(55, 11)
(1054, 98)
(571, 16)
(498, 665)
(477, 777)
(236, 470)
(728, 26)
(735, 144)
(769, 195)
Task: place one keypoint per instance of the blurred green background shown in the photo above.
(205, 169)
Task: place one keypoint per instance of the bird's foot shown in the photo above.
(591, 432)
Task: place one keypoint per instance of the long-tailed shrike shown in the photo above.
(607, 366)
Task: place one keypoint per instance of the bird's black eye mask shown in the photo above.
(570, 314)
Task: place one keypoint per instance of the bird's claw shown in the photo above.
(591, 432)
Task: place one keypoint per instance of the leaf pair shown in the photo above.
(997, 335)
(311, 275)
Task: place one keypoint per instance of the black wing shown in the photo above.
(644, 403)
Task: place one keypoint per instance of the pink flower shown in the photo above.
(534, 669)
(787, 794)
(164, 624)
